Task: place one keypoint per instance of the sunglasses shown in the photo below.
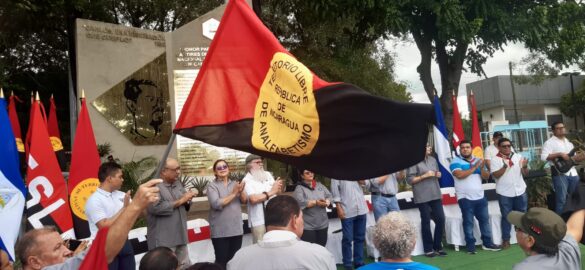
(221, 167)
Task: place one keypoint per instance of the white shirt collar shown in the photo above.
(278, 235)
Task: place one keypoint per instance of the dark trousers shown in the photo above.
(479, 210)
(225, 248)
(124, 259)
(354, 231)
(315, 236)
(432, 210)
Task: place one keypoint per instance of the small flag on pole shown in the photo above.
(475, 136)
(83, 176)
(47, 203)
(12, 189)
(442, 146)
(458, 134)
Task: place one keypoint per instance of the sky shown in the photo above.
(408, 58)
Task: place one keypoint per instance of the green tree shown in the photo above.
(37, 44)
(460, 34)
(328, 47)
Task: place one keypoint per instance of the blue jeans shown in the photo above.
(432, 210)
(563, 185)
(507, 205)
(354, 230)
(479, 210)
(382, 205)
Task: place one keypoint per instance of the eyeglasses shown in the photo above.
(506, 146)
(518, 229)
(174, 169)
(221, 167)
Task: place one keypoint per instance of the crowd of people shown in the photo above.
(290, 231)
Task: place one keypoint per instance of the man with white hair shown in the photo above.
(260, 187)
(395, 238)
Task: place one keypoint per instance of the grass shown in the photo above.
(491, 260)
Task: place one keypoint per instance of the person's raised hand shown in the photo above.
(146, 194)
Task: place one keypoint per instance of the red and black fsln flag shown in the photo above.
(251, 94)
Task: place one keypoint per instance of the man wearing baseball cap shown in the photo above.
(547, 240)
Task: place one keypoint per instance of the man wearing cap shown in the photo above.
(548, 242)
(260, 187)
(508, 168)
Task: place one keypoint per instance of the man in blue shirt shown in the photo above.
(469, 172)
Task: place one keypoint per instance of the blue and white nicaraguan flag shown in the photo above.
(12, 189)
(442, 147)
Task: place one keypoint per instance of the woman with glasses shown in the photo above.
(313, 197)
(225, 216)
(424, 179)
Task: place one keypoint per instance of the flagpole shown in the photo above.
(163, 160)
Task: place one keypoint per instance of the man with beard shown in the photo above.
(469, 171)
(260, 187)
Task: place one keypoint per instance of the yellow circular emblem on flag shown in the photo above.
(285, 117)
(80, 194)
(56, 143)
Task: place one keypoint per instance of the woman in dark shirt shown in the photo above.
(313, 197)
(225, 216)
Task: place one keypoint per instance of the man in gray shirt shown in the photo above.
(548, 242)
(383, 190)
(167, 219)
(424, 179)
(351, 209)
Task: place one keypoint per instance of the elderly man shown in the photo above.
(468, 172)
(45, 249)
(167, 219)
(395, 238)
(508, 168)
(351, 209)
(558, 146)
(548, 242)
(260, 187)
(105, 205)
(281, 248)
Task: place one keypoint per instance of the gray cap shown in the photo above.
(252, 157)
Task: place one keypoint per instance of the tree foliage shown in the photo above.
(331, 48)
(463, 34)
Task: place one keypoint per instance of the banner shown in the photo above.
(83, 176)
(17, 131)
(458, 134)
(12, 189)
(251, 94)
(442, 146)
(47, 203)
(55, 135)
(475, 136)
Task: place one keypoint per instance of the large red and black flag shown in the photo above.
(251, 94)
(83, 176)
(47, 202)
(55, 135)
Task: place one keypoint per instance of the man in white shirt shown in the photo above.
(281, 248)
(260, 187)
(105, 205)
(558, 146)
(508, 168)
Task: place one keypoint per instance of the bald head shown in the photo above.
(171, 170)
